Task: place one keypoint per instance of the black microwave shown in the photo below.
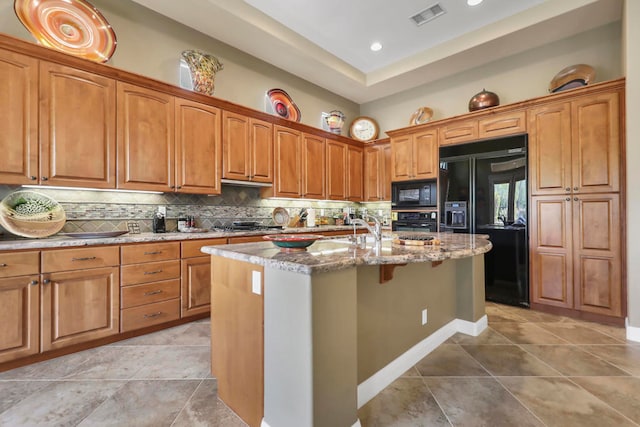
(414, 194)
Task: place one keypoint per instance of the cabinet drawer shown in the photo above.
(503, 124)
(149, 314)
(133, 254)
(133, 296)
(246, 239)
(19, 263)
(150, 272)
(191, 248)
(79, 259)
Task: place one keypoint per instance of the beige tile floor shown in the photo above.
(527, 369)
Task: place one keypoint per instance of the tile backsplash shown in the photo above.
(89, 210)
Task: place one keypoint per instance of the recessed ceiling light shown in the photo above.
(376, 46)
(474, 2)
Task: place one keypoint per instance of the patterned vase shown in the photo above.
(203, 68)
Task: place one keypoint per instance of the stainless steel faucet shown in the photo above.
(375, 231)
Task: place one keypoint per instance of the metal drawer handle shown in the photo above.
(153, 253)
(153, 272)
(152, 315)
(88, 258)
(3, 265)
(159, 291)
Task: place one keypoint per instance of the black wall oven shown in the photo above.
(415, 221)
(414, 194)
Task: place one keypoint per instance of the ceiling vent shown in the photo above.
(428, 14)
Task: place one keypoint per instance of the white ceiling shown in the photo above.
(327, 41)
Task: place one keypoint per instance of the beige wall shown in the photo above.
(150, 44)
(632, 65)
(516, 78)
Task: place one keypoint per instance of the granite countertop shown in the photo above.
(338, 253)
(12, 242)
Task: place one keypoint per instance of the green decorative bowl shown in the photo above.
(293, 241)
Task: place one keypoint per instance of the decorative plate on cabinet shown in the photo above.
(420, 116)
(71, 26)
(283, 105)
(280, 216)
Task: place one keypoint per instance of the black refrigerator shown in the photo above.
(483, 190)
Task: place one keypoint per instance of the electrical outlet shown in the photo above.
(424, 316)
(162, 210)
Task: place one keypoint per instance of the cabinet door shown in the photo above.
(595, 124)
(551, 251)
(385, 180)
(597, 254)
(236, 147)
(373, 174)
(19, 317)
(287, 153)
(550, 149)
(496, 125)
(261, 136)
(77, 128)
(458, 133)
(19, 119)
(336, 170)
(196, 286)
(402, 158)
(355, 173)
(79, 306)
(314, 165)
(145, 139)
(198, 148)
(425, 155)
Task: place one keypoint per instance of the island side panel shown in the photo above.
(470, 285)
(390, 314)
(310, 349)
(237, 337)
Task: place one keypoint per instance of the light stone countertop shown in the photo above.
(333, 254)
(11, 242)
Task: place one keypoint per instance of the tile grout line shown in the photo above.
(186, 403)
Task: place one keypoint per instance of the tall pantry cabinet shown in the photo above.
(575, 149)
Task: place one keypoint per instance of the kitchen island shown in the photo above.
(305, 338)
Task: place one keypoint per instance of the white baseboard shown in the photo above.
(633, 332)
(264, 423)
(373, 385)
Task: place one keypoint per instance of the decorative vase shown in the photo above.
(203, 68)
(484, 99)
(335, 121)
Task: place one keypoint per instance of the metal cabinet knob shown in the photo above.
(33, 282)
(575, 198)
(568, 199)
(33, 178)
(46, 281)
(568, 189)
(45, 178)
(575, 188)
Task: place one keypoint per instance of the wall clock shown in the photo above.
(364, 129)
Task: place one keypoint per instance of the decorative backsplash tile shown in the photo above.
(89, 210)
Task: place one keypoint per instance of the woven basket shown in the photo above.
(37, 225)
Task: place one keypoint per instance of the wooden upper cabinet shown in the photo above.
(247, 148)
(502, 124)
(288, 165)
(458, 132)
(198, 148)
(336, 170)
(595, 134)
(19, 119)
(377, 173)
(313, 167)
(550, 149)
(415, 156)
(574, 147)
(146, 139)
(77, 128)
(425, 155)
(355, 173)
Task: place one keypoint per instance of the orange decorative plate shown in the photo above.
(283, 106)
(71, 26)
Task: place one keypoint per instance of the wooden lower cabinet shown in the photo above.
(19, 317)
(576, 253)
(196, 277)
(79, 306)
